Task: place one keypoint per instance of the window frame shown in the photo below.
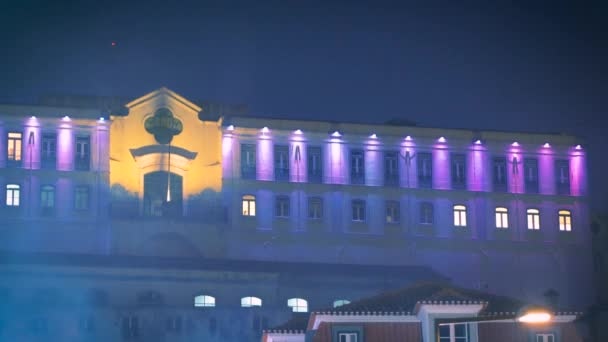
(297, 304)
(531, 181)
(425, 180)
(424, 209)
(251, 302)
(206, 301)
(361, 211)
(48, 154)
(458, 170)
(315, 200)
(501, 218)
(282, 206)
(533, 216)
(460, 215)
(392, 177)
(357, 166)
(452, 333)
(314, 168)
(250, 201)
(249, 169)
(564, 220)
(78, 189)
(396, 214)
(82, 153)
(499, 184)
(16, 144)
(562, 187)
(14, 190)
(281, 153)
(340, 302)
(45, 190)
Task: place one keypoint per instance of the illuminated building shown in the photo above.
(143, 210)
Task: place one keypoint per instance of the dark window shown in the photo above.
(562, 177)
(391, 168)
(282, 206)
(545, 337)
(358, 208)
(13, 147)
(499, 174)
(315, 164)
(348, 337)
(459, 176)
(392, 212)
(357, 167)
(83, 153)
(47, 199)
(531, 175)
(248, 161)
(81, 197)
(281, 162)
(130, 327)
(425, 169)
(315, 208)
(174, 324)
(426, 213)
(49, 151)
(454, 332)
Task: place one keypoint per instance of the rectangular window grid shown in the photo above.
(424, 162)
(357, 167)
(281, 162)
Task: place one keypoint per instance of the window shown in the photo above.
(298, 304)
(174, 324)
(341, 302)
(391, 168)
(248, 161)
(357, 167)
(453, 332)
(425, 169)
(249, 302)
(248, 202)
(83, 153)
(348, 337)
(358, 207)
(130, 327)
(426, 213)
(392, 212)
(47, 197)
(315, 208)
(502, 217)
(281, 162)
(315, 164)
(282, 206)
(49, 151)
(13, 146)
(562, 177)
(533, 219)
(460, 216)
(531, 175)
(459, 177)
(545, 337)
(81, 197)
(499, 174)
(13, 195)
(565, 220)
(204, 301)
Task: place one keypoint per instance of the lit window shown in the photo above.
(358, 207)
(14, 146)
(502, 217)
(298, 304)
(315, 208)
(391, 168)
(453, 332)
(47, 197)
(545, 337)
(249, 302)
(81, 198)
(13, 195)
(204, 301)
(315, 164)
(426, 213)
(83, 153)
(281, 162)
(248, 205)
(348, 337)
(565, 220)
(533, 219)
(282, 206)
(357, 167)
(392, 212)
(341, 302)
(460, 216)
(459, 178)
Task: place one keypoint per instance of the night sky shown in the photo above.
(517, 66)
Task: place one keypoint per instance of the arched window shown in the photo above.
(298, 304)
(248, 205)
(249, 302)
(533, 216)
(460, 216)
(13, 195)
(565, 220)
(204, 301)
(341, 302)
(502, 217)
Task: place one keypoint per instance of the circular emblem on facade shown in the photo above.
(163, 125)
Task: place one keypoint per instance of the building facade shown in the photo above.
(164, 180)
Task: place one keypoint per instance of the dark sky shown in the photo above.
(533, 66)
